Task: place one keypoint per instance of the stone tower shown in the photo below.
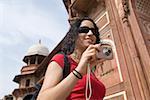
(28, 78)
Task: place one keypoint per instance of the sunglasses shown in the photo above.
(86, 30)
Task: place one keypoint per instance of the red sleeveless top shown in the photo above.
(78, 93)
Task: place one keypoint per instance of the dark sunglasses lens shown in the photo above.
(84, 30)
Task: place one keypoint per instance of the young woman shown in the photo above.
(81, 46)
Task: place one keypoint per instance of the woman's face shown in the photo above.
(86, 35)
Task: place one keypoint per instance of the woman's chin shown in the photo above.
(87, 44)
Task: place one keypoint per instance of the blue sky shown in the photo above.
(22, 24)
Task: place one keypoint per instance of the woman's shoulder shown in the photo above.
(58, 56)
(59, 59)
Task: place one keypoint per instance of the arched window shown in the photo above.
(28, 97)
(27, 82)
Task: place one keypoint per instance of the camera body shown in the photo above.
(105, 51)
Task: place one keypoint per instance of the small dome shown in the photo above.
(38, 49)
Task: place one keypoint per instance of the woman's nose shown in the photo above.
(90, 32)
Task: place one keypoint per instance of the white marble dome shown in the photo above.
(38, 49)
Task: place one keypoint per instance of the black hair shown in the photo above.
(72, 35)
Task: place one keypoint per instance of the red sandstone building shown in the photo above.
(126, 24)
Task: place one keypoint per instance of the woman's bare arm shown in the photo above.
(52, 88)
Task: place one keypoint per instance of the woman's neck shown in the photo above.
(76, 55)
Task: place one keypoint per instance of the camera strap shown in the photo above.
(88, 83)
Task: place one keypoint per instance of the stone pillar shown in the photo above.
(133, 59)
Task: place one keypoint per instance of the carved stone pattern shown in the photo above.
(126, 9)
(143, 6)
(146, 25)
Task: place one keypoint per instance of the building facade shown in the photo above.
(8, 97)
(126, 24)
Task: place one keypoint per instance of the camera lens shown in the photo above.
(107, 51)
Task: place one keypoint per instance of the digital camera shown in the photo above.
(106, 51)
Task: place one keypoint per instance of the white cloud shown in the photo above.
(32, 22)
(22, 24)
(11, 38)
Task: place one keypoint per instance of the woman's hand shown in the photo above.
(88, 57)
